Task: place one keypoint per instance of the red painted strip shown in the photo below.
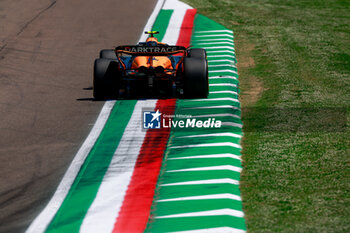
(135, 211)
(186, 28)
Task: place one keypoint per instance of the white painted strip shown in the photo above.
(214, 31)
(151, 20)
(221, 51)
(173, 31)
(213, 230)
(215, 39)
(204, 197)
(220, 48)
(223, 92)
(232, 156)
(223, 60)
(215, 99)
(103, 212)
(223, 77)
(212, 168)
(224, 65)
(230, 212)
(217, 115)
(222, 85)
(212, 135)
(219, 56)
(41, 222)
(44, 218)
(211, 181)
(214, 107)
(222, 71)
(216, 43)
(231, 124)
(216, 144)
(215, 35)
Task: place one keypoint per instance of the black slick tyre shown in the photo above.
(195, 78)
(105, 82)
(198, 53)
(108, 54)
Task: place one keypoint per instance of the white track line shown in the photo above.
(103, 213)
(231, 65)
(214, 107)
(231, 124)
(222, 71)
(222, 85)
(216, 43)
(213, 230)
(221, 51)
(215, 31)
(227, 155)
(215, 99)
(223, 92)
(104, 210)
(223, 77)
(219, 56)
(41, 222)
(173, 31)
(230, 212)
(204, 197)
(216, 144)
(218, 39)
(199, 182)
(219, 47)
(44, 218)
(212, 135)
(215, 35)
(212, 168)
(223, 60)
(217, 115)
(151, 20)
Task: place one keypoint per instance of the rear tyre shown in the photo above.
(108, 54)
(105, 79)
(196, 83)
(198, 53)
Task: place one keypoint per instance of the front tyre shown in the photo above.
(105, 83)
(196, 84)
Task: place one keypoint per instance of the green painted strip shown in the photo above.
(185, 107)
(162, 23)
(174, 177)
(166, 192)
(84, 189)
(204, 162)
(193, 223)
(203, 23)
(222, 80)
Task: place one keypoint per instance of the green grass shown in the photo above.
(296, 177)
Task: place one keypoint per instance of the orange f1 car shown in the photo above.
(151, 69)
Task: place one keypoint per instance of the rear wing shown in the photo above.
(161, 50)
(140, 50)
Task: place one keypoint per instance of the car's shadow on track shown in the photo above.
(141, 96)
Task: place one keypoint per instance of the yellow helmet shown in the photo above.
(152, 39)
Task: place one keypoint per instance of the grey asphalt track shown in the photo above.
(47, 49)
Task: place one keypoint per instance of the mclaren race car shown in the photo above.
(151, 69)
